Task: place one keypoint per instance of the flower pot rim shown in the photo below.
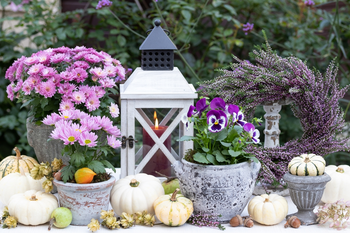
(210, 166)
(306, 179)
(108, 182)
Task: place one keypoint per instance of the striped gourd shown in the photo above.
(12, 164)
(307, 165)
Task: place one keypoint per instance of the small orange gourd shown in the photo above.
(11, 164)
(84, 175)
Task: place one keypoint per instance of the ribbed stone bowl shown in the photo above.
(306, 192)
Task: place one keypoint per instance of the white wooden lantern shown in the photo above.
(145, 88)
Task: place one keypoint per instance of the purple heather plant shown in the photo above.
(206, 220)
(103, 3)
(309, 3)
(248, 28)
(314, 99)
(221, 134)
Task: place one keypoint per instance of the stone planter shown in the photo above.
(85, 200)
(45, 150)
(306, 192)
(224, 189)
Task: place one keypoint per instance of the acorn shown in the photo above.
(248, 222)
(236, 221)
(292, 222)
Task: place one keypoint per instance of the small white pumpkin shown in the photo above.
(339, 186)
(135, 193)
(32, 207)
(173, 209)
(307, 165)
(15, 183)
(268, 209)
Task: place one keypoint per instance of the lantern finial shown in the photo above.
(157, 22)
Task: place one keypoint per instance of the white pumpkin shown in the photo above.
(268, 209)
(339, 186)
(32, 207)
(18, 183)
(135, 193)
(307, 165)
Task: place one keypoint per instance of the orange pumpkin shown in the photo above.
(11, 164)
(84, 175)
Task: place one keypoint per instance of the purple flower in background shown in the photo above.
(103, 3)
(217, 120)
(309, 3)
(248, 28)
(200, 107)
(254, 133)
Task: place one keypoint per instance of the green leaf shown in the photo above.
(226, 144)
(255, 160)
(107, 164)
(212, 159)
(221, 57)
(68, 173)
(97, 166)
(27, 102)
(205, 149)
(239, 129)
(77, 159)
(186, 14)
(219, 157)
(61, 33)
(121, 40)
(199, 157)
(230, 9)
(80, 32)
(234, 153)
(186, 138)
(44, 102)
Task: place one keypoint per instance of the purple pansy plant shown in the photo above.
(221, 133)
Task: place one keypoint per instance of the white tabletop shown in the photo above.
(185, 228)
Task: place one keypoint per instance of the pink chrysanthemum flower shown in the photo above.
(78, 49)
(69, 136)
(111, 71)
(92, 58)
(35, 69)
(67, 115)
(51, 119)
(60, 57)
(107, 82)
(48, 71)
(27, 89)
(67, 75)
(18, 85)
(89, 92)
(121, 72)
(113, 131)
(33, 81)
(104, 122)
(100, 92)
(81, 64)
(43, 57)
(80, 55)
(98, 72)
(79, 74)
(66, 105)
(62, 49)
(80, 115)
(88, 139)
(90, 123)
(9, 91)
(114, 110)
(92, 103)
(78, 97)
(116, 62)
(56, 79)
(47, 89)
(66, 88)
(113, 142)
(30, 60)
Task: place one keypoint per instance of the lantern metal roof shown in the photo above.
(157, 39)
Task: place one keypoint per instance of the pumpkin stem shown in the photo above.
(33, 198)
(307, 160)
(173, 196)
(340, 170)
(134, 183)
(168, 178)
(52, 220)
(266, 200)
(18, 153)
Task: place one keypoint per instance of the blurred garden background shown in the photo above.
(206, 33)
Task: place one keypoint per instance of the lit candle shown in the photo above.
(159, 162)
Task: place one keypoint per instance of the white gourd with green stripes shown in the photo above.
(307, 165)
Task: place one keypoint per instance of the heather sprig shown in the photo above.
(337, 213)
(274, 79)
(206, 220)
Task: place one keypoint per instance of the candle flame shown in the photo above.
(156, 124)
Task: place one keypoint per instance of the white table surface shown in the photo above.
(185, 228)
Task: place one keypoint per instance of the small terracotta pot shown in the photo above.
(84, 200)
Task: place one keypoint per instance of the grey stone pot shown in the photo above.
(45, 150)
(85, 201)
(224, 189)
(306, 192)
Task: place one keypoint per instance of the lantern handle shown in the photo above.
(131, 141)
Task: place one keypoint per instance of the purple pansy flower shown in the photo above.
(218, 104)
(200, 107)
(237, 116)
(217, 120)
(254, 133)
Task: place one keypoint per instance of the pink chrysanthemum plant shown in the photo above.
(87, 139)
(62, 79)
(221, 133)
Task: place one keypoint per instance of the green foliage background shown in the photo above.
(206, 33)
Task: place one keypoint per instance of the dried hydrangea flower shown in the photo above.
(111, 223)
(10, 222)
(127, 220)
(149, 220)
(338, 213)
(139, 217)
(106, 214)
(94, 225)
(47, 185)
(56, 164)
(35, 172)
